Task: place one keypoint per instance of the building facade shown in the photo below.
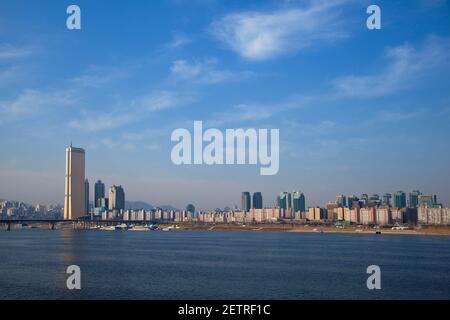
(99, 192)
(245, 201)
(74, 193)
(116, 198)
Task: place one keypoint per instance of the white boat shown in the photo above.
(140, 228)
(122, 226)
(108, 228)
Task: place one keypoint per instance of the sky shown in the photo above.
(359, 110)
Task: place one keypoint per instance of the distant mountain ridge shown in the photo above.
(136, 205)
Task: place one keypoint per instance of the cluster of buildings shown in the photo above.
(388, 209)
(76, 191)
(21, 210)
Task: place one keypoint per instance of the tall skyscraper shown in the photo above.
(351, 200)
(414, 198)
(74, 204)
(341, 200)
(257, 200)
(190, 208)
(245, 201)
(86, 196)
(285, 201)
(298, 202)
(116, 198)
(99, 193)
(387, 199)
(399, 200)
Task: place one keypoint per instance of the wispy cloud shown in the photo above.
(33, 102)
(162, 100)
(406, 64)
(179, 40)
(94, 122)
(264, 35)
(8, 51)
(400, 115)
(135, 110)
(204, 72)
(98, 76)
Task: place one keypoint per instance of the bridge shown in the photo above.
(81, 223)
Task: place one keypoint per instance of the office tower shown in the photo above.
(74, 205)
(190, 208)
(116, 198)
(399, 200)
(374, 200)
(341, 200)
(414, 198)
(278, 202)
(257, 200)
(427, 201)
(298, 202)
(387, 197)
(86, 196)
(285, 201)
(99, 192)
(103, 204)
(351, 200)
(364, 199)
(245, 201)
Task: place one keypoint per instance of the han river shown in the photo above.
(221, 265)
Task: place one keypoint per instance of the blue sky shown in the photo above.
(358, 110)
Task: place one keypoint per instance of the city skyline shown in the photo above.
(358, 110)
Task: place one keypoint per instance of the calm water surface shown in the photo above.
(221, 265)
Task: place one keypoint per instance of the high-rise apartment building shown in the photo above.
(99, 192)
(399, 200)
(341, 200)
(86, 196)
(116, 198)
(245, 201)
(298, 202)
(74, 191)
(285, 200)
(387, 199)
(257, 200)
(414, 198)
(351, 200)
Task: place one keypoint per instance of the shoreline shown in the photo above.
(425, 231)
(290, 228)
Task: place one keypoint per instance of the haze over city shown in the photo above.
(358, 111)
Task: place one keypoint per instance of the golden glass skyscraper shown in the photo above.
(74, 204)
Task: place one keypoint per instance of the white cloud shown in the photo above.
(179, 40)
(12, 52)
(205, 72)
(33, 102)
(133, 111)
(97, 76)
(406, 65)
(264, 35)
(400, 115)
(162, 100)
(99, 122)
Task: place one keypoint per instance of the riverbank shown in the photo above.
(429, 230)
